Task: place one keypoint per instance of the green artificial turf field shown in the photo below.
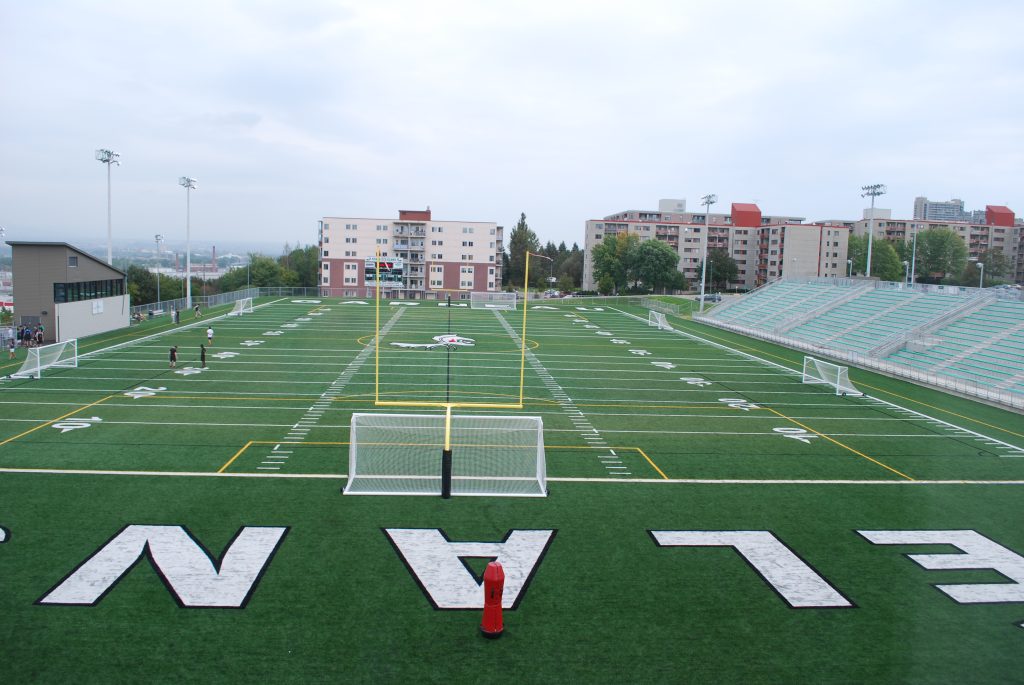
(710, 518)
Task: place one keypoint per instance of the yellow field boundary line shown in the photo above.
(53, 421)
(844, 446)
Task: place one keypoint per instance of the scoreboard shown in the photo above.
(391, 270)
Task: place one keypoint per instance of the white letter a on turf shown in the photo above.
(449, 584)
(187, 569)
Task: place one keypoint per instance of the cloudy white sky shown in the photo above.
(565, 110)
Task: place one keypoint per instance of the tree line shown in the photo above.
(297, 267)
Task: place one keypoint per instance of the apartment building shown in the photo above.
(998, 231)
(759, 244)
(425, 258)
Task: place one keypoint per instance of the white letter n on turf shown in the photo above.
(187, 569)
(448, 583)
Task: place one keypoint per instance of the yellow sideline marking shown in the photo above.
(52, 421)
(846, 447)
(655, 466)
(271, 442)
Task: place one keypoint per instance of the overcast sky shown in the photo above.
(289, 111)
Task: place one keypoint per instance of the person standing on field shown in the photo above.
(174, 356)
(209, 335)
(202, 356)
(11, 345)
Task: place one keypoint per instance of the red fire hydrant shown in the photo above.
(494, 583)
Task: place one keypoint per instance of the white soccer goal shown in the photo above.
(400, 454)
(658, 319)
(489, 300)
(827, 373)
(243, 306)
(58, 355)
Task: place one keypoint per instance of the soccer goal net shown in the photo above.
(58, 355)
(658, 320)
(490, 300)
(243, 306)
(401, 454)
(822, 372)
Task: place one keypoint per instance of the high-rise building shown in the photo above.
(436, 258)
(760, 245)
(950, 210)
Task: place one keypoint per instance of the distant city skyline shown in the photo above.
(287, 113)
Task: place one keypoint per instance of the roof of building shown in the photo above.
(41, 243)
(998, 209)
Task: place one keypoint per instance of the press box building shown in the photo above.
(70, 292)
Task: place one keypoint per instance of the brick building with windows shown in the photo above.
(436, 258)
(764, 247)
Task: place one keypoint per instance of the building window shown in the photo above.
(72, 260)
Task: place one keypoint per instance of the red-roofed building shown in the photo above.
(746, 215)
(997, 215)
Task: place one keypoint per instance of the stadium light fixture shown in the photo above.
(913, 258)
(189, 184)
(707, 201)
(110, 158)
(871, 191)
(159, 239)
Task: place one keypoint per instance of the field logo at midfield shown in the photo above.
(189, 571)
(446, 340)
(437, 564)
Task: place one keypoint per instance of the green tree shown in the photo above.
(521, 241)
(857, 250)
(615, 257)
(572, 268)
(886, 264)
(655, 264)
(941, 253)
(605, 285)
(996, 267)
(722, 269)
(141, 285)
(304, 262)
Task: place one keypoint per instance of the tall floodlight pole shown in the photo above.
(981, 278)
(849, 268)
(159, 239)
(110, 158)
(913, 259)
(871, 191)
(906, 272)
(707, 201)
(189, 184)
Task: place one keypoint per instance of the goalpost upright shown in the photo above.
(61, 355)
(820, 372)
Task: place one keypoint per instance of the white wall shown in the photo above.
(79, 319)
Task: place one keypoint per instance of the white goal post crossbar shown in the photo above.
(658, 320)
(492, 300)
(243, 306)
(58, 355)
(817, 371)
(401, 454)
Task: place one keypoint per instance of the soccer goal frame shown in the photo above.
(492, 300)
(442, 454)
(56, 355)
(243, 306)
(658, 320)
(820, 372)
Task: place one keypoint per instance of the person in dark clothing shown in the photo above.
(174, 356)
(202, 356)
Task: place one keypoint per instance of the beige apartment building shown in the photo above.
(424, 258)
(998, 232)
(764, 247)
